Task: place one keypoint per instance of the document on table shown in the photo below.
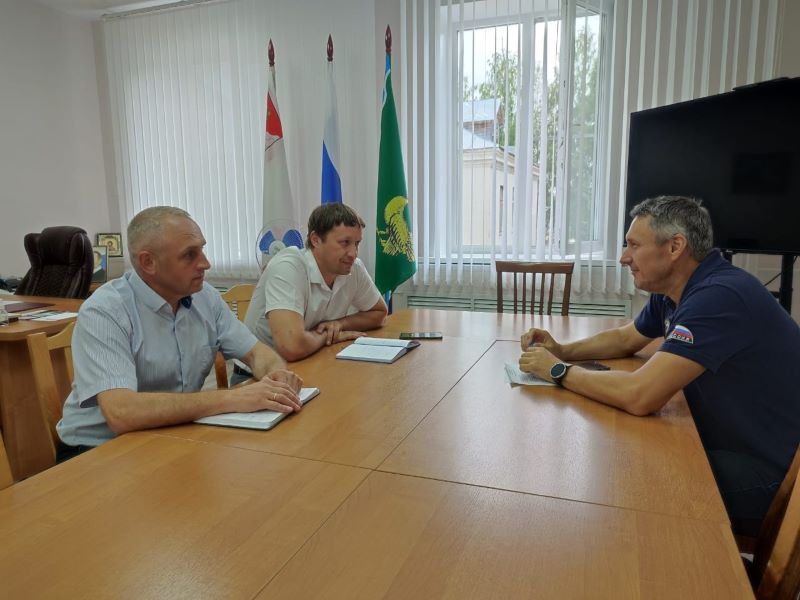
(14, 306)
(383, 350)
(515, 375)
(262, 419)
(50, 315)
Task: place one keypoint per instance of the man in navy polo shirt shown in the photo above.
(727, 343)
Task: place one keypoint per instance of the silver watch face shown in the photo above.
(558, 370)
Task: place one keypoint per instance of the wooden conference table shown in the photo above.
(427, 478)
(19, 417)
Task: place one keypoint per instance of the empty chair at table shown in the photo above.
(238, 300)
(775, 571)
(526, 276)
(51, 361)
(5, 469)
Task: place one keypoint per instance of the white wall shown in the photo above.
(52, 169)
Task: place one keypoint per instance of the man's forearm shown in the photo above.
(364, 320)
(615, 388)
(639, 392)
(300, 345)
(262, 360)
(126, 410)
(612, 343)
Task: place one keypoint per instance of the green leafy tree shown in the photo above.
(503, 71)
(468, 91)
(582, 137)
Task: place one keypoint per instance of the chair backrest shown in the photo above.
(61, 263)
(51, 360)
(776, 560)
(543, 269)
(238, 299)
(6, 479)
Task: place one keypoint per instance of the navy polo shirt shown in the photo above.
(747, 400)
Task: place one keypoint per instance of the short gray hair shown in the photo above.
(679, 214)
(147, 225)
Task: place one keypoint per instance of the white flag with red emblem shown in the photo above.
(281, 227)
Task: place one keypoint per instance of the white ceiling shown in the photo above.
(94, 9)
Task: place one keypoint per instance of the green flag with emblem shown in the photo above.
(394, 260)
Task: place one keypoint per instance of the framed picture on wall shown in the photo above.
(100, 272)
(112, 242)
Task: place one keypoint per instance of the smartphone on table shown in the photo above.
(421, 335)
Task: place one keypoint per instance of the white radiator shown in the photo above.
(588, 307)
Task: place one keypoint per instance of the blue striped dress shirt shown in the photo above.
(128, 337)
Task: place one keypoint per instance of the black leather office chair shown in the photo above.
(61, 263)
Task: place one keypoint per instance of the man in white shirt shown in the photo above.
(310, 298)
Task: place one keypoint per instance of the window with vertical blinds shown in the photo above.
(516, 116)
(187, 89)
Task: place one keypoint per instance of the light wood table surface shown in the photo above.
(364, 409)
(22, 425)
(547, 440)
(147, 516)
(406, 537)
(494, 326)
(468, 489)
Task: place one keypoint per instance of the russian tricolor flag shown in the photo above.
(331, 182)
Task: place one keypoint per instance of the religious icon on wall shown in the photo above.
(112, 242)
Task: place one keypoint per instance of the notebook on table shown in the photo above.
(14, 307)
(382, 350)
(262, 419)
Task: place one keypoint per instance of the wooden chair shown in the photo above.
(6, 479)
(775, 571)
(238, 299)
(534, 269)
(51, 360)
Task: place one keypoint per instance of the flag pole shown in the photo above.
(331, 181)
(280, 226)
(395, 259)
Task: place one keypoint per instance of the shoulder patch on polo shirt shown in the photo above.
(681, 334)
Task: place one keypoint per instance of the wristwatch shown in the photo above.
(558, 371)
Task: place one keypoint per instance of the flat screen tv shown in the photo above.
(739, 152)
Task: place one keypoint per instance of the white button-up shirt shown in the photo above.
(293, 281)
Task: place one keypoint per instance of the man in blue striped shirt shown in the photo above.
(144, 343)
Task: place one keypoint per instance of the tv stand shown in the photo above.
(787, 274)
(784, 293)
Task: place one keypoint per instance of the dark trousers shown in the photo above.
(747, 485)
(65, 452)
(239, 375)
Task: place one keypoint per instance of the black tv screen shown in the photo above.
(739, 152)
